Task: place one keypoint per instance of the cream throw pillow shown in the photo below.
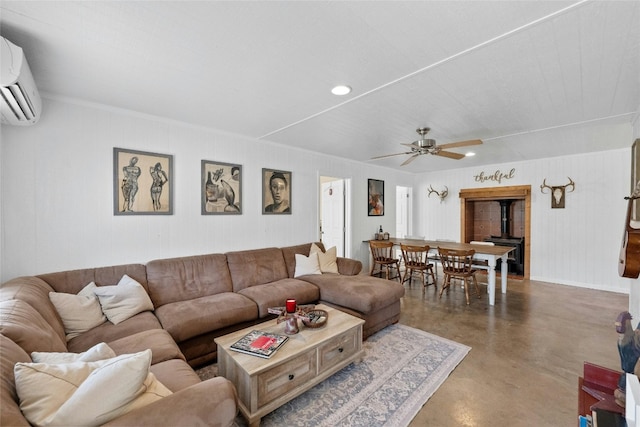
(124, 300)
(307, 265)
(86, 393)
(79, 313)
(328, 260)
(99, 351)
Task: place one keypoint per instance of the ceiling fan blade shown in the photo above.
(410, 159)
(461, 143)
(412, 145)
(450, 154)
(388, 155)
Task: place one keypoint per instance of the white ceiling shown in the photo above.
(532, 79)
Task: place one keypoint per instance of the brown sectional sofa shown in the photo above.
(195, 299)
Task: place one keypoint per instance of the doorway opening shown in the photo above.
(334, 224)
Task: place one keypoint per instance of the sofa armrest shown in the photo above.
(212, 403)
(348, 266)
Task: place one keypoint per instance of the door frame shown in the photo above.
(516, 192)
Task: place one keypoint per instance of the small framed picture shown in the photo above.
(221, 188)
(276, 192)
(142, 183)
(376, 197)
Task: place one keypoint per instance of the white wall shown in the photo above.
(56, 204)
(578, 245)
(57, 192)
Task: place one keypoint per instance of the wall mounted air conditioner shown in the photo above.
(20, 103)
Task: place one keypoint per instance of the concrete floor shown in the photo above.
(527, 351)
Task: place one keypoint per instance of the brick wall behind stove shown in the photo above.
(486, 219)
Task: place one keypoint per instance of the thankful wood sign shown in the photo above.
(496, 176)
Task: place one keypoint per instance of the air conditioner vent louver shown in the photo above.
(20, 103)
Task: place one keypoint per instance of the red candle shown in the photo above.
(291, 306)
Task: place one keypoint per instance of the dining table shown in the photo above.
(489, 253)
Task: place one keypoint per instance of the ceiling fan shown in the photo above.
(429, 146)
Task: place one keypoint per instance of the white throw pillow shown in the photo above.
(328, 260)
(307, 265)
(86, 393)
(124, 300)
(79, 313)
(99, 351)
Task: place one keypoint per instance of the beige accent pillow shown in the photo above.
(99, 351)
(328, 260)
(86, 393)
(307, 265)
(124, 300)
(79, 313)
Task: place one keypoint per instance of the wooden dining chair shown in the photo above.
(415, 261)
(383, 257)
(457, 264)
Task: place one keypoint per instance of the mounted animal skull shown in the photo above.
(557, 192)
(442, 194)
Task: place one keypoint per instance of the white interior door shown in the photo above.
(332, 214)
(403, 211)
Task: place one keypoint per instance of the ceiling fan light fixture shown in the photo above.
(341, 90)
(469, 154)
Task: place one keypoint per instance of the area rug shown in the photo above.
(402, 368)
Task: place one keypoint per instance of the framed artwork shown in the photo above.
(375, 206)
(221, 188)
(276, 192)
(142, 183)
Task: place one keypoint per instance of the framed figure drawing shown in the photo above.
(376, 197)
(142, 183)
(276, 192)
(221, 189)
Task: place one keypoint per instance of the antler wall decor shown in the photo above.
(557, 192)
(442, 194)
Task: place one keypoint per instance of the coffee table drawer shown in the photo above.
(284, 378)
(339, 348)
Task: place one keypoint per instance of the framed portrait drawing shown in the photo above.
(276, 192)
(142, 183)
(221, 188)
(375, 205)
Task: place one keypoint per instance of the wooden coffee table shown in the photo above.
(306, 359)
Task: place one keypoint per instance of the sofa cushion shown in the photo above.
(256, 267)
(162, 346)
(80, 312)
(108, 332)
(12, 353)
(35, 292)
(74, 393)
(361, 293)
(26, 327)
(276, 293)
(124, 300)
(187, 319)
(99, 351)
(175, 374)
(187, 278)
(328, 260)
(307, 264)
(72, 281)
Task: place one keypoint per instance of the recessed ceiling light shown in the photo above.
(341, 90)
(470, 154)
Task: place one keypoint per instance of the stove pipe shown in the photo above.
(505, 224)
